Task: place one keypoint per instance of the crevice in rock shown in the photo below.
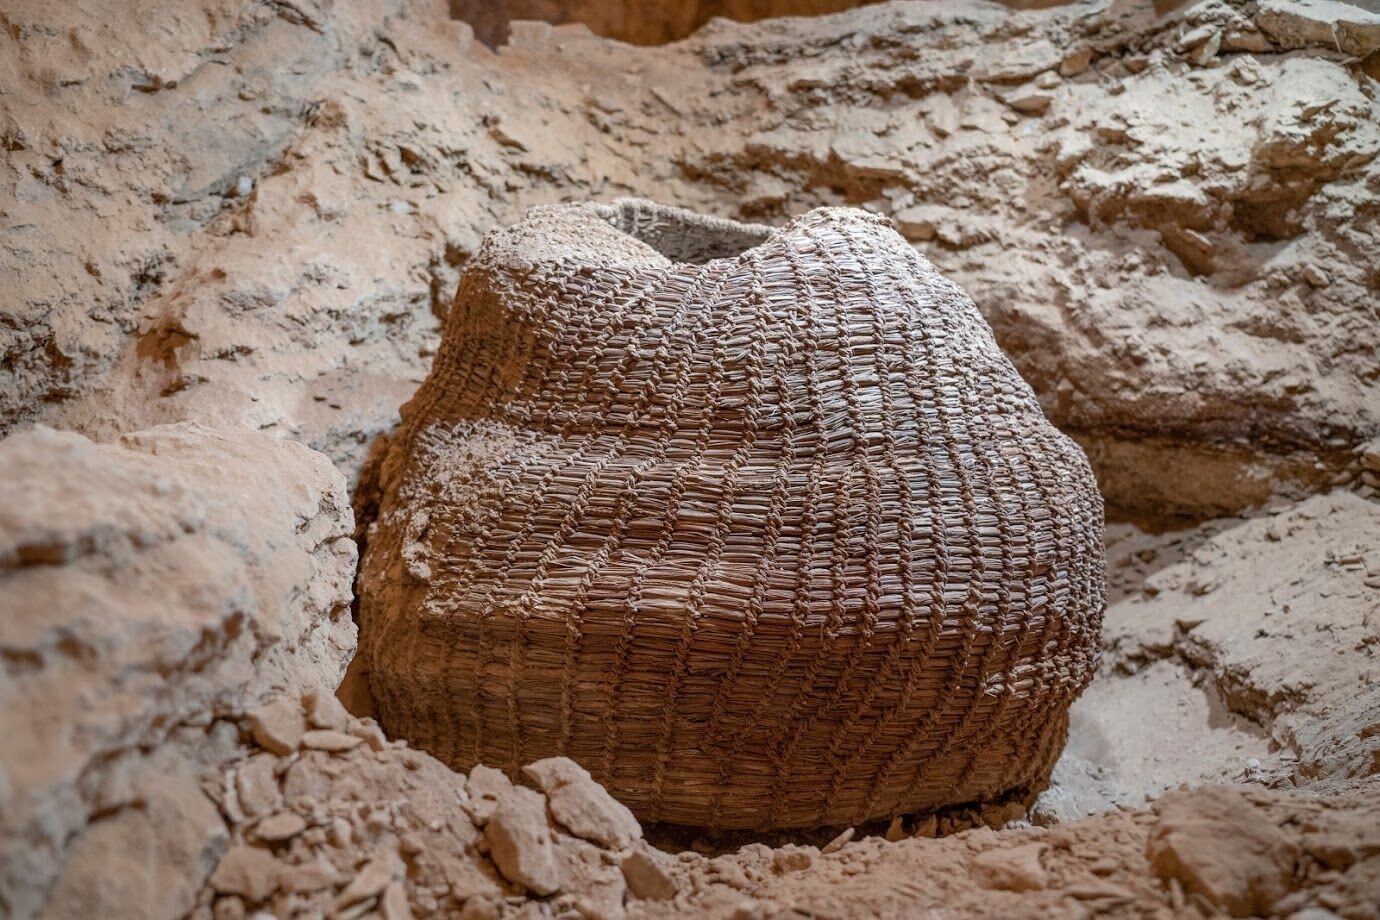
(638, 23)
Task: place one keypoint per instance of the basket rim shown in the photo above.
(615, 213)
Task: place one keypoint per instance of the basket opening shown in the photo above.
(684, 236)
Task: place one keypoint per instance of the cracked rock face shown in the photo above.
(640, 22)
(1165, 218)
(1278, 616)
(147, 588)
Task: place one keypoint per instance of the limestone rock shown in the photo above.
(321, 321)
(1319, 558)
(309, 877)
(647, 878)
(520, 842)
(144, 860)
(150, 584)
(583, 806)
(1350, 27)
(327, 740)
(325, 711)
(1370, 455)
(247, 871)
(393, 905)
(257, 787)
(278, 726)
(283, 826)
(1216, 845)
(370, 882)
(1030, 59)
(1014, 869)
(485, 787)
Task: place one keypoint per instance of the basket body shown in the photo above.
(761, 527)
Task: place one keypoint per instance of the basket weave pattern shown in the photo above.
(760, 526)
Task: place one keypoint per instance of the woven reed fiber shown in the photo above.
(760, 526)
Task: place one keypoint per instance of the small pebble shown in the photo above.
(282, 826)
(838, 843)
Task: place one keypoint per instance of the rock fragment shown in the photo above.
(942, 115)
(1316, 276)
(791, 858)
(1205, 53)
(328, 740)
(1027, 61)
(1370, 455)
(1029, 102)
(1099, 890)
(325, 711)
(583, 806)
(369, 883)
(1013, 869)
(520, 842)
(278, 726)
(283, 826)
(917, 223)
(839, 842)
(485, 787)
(1076, 62)
(394, 904)
(257, 787)
(1215, 844)
(1353, 29)
(309, 877)
(647, 878)
(369, 730)
(1196, 36)
(247, 871)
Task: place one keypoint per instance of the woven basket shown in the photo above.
(760, 526)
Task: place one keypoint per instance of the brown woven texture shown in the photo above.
(760, 526)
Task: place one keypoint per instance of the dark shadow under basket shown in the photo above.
(760, 526)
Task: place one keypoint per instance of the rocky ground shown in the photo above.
(251, 216)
